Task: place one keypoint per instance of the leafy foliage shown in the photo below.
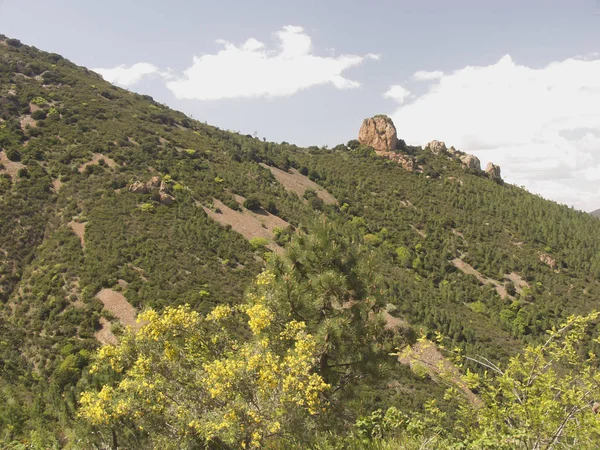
(72, 145)
(188, 378)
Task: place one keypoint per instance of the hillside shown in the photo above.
(111, 203)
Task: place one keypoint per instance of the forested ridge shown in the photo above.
(270, 308)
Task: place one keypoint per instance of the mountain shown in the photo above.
(596, 213)
(111, 203)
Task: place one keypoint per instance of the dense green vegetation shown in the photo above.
(404, 228)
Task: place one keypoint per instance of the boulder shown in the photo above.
(493, 171)
(164, 188)
(471, 162)
(548, 260)
(378, 132)
(404, 160)
(166, 199)
(437, 147)
(139, 187)
(154, 182)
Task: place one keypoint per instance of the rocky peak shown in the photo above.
(437, 147)
(470, 161)
(493, 171)
(378, 132)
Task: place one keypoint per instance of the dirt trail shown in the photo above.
(419, 232)
(56, 184)
(104, 335)
(95, 158)
(470, 270)
(117, 304)
(10, 167)
(298, 183)
(425, 354)
(248, 223)
(79, 229)
(519, 282)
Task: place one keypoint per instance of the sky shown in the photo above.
(513, 82)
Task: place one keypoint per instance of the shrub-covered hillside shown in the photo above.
(111, 203)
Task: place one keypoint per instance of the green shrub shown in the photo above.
(13, 154)
(39, 101)
(40, 114)
(252, 204)
(258, 243)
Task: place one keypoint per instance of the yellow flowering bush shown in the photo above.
(189, 378)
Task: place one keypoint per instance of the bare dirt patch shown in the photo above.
(117, 304)
(27, 120)
(419, 232)
(140, 271)
(97, 157)
(104, 335)
(10, 167)
(460, 235)
(392, 322)
(519, 282)
(470, 270)
(296, 182)
(56, 184)
(79, 229)
(249, 224)
(424, 354)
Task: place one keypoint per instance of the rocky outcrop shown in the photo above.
(404, 160)
(493, 171)
(139, 187)
(164, 194)
(471, 162)
(378, 132)
(155, 186)
(437, 147)
(548, 260)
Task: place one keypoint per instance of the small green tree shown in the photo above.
(252, 204)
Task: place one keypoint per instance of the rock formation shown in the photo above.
(548, 260)
(164, 194)
(155, 186)
(404, 160)
(437, 147)
(378, 132)
(470, 161)
(493, 171)
(139, 187)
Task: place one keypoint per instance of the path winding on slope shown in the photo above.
(295, 182)
(249, 224)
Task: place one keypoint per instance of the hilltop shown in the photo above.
(111, 203)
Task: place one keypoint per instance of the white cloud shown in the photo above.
(541, 125)
(127, 76)
(423, 75)
(253, 70)
(397, 92)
